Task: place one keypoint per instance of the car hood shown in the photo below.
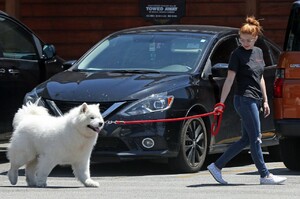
(107, 86)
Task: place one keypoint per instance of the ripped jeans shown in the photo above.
(248, 110)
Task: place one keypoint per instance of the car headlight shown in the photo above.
(33, 97)
(150, 104)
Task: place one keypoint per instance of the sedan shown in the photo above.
(158, 72)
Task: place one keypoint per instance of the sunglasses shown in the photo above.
(246, 40)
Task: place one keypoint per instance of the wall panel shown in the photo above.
(73, 26)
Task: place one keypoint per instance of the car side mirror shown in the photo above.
(68, 64)
(219, 70)
(48, 51)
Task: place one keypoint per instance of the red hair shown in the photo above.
(251, 26)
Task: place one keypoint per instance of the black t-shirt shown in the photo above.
(249, 67)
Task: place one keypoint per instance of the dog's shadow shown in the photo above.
(131, 168)
(141, 168)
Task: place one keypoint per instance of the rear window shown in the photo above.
(292, 40)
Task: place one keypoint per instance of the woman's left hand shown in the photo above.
(266, 109)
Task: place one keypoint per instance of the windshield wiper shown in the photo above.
(134, 71)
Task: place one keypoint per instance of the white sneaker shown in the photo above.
(272, 179)
(216, 173)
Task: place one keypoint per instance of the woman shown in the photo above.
(246, 65)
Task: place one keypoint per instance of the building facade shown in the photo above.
(74, 26)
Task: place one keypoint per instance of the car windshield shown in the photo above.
(148, 52)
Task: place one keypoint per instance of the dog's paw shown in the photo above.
(91, 183)
(41, 185)
(30, 183)
(13, 176)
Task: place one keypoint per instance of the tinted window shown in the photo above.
(292, 40)
(274, 52)
(223, 51)
(155, 51)
(15, 42)
(266, 51)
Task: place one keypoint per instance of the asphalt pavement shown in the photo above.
(144, 179)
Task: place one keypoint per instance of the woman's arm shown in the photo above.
(227, 85)
(265, 97)
(226, 89)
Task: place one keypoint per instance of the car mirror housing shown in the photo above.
(48, 51)
(68, 64)
(219, 70)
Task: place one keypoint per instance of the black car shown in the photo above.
(158, 72)
(25, 62)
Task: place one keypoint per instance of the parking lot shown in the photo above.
(143, 179)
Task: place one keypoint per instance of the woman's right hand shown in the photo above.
(219, 108)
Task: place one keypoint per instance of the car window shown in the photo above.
(156, 51)
(274, 52)
(266, 51)
(15, 42)
(292, 40)
(223, 50)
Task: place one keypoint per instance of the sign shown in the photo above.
(162, 11)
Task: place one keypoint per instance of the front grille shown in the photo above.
(111, 144)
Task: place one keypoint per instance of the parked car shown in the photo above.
(25, 61)
(158, 72)
(287, 92)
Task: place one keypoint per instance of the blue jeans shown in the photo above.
(248, 110)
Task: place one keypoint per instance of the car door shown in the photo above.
(271, 55)
(230, 126)
(19, 68)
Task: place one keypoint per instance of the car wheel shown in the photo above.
(274, 153)
(290, 150)
(193, 147)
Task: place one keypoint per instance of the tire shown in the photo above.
(274, 153)
(290, 149)
(193, 147)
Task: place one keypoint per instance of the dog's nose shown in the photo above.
(101, 124)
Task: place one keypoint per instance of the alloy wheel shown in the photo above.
(195, 142)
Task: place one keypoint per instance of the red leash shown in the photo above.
(215, 127)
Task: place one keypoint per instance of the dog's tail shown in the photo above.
(27, 110)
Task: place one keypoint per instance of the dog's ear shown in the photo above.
(84, 107)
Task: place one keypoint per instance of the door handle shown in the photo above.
(13, 71)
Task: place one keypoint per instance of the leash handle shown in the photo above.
(218, 115)
(220, 104)
(215, 126)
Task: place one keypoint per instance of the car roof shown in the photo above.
(205, 29)
(3, 13)
(296, 3)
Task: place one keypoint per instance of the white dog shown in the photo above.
(41, 141)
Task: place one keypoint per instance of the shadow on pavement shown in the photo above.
(147, 167)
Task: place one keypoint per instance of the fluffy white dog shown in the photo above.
(41, 141)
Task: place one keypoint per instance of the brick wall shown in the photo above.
(2, 5)
(74, 26)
